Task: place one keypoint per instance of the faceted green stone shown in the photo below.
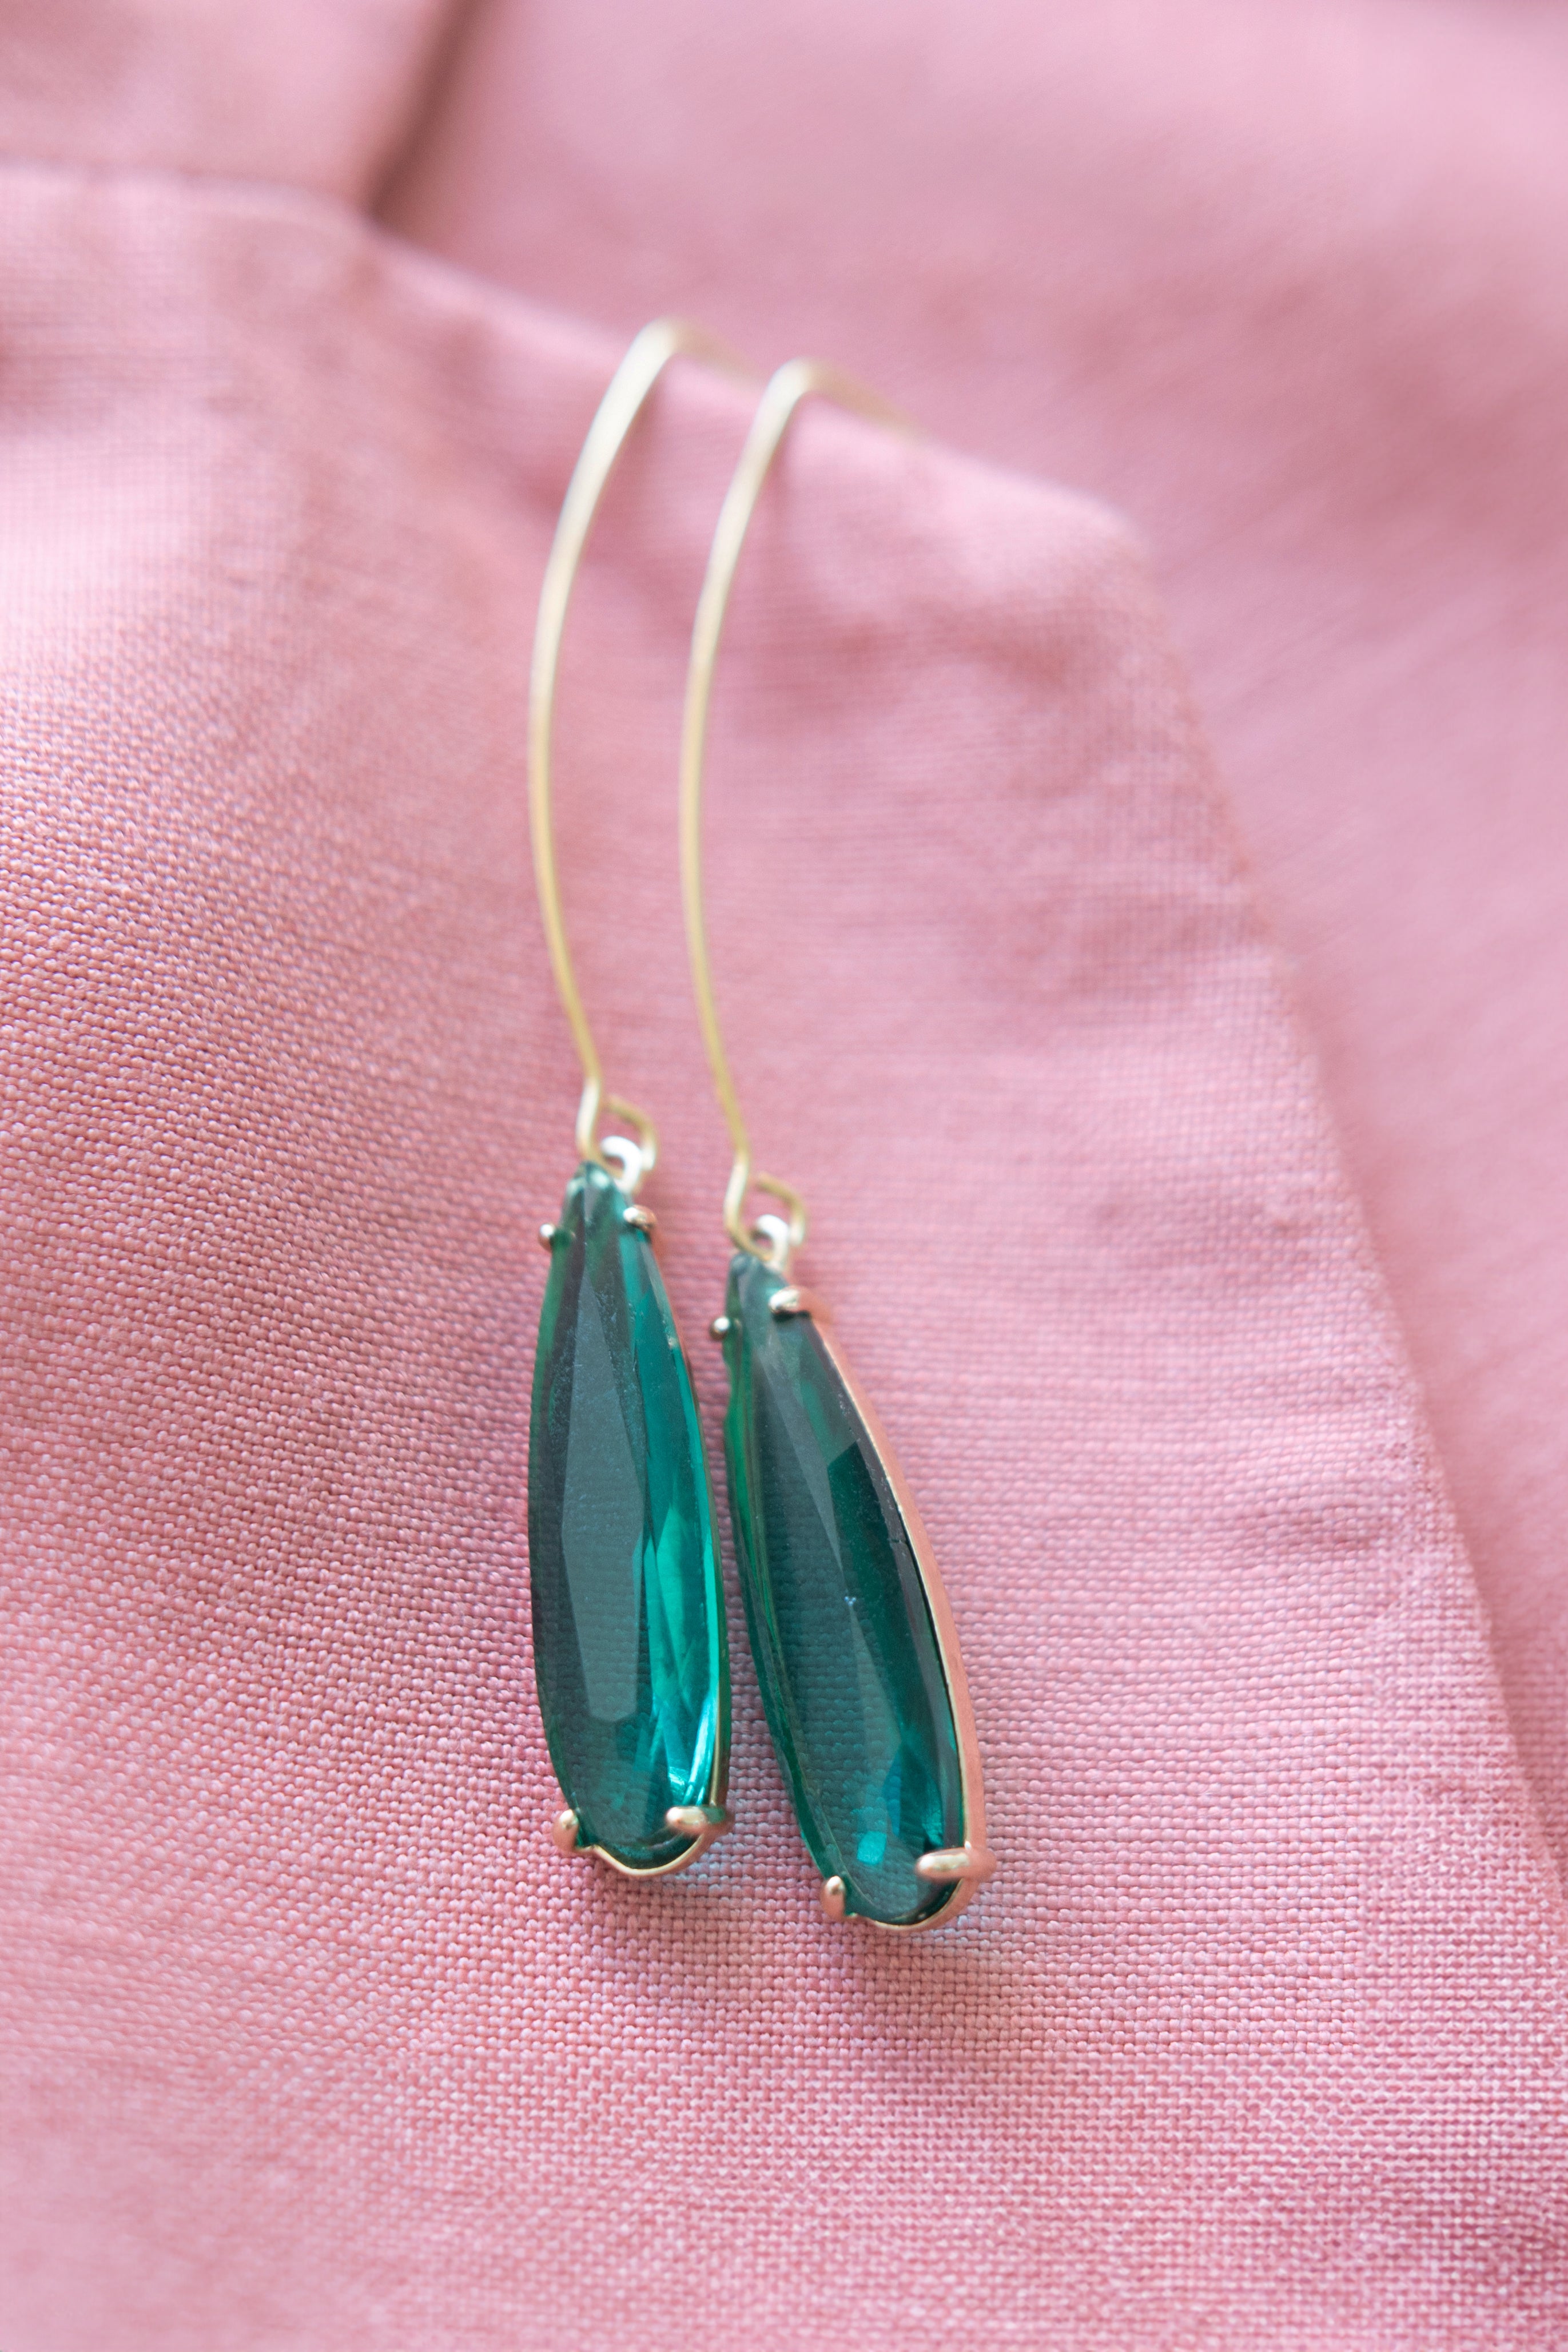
(840, 1627)
(630, 1649)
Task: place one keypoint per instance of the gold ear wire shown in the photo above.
(666, 339)
(772, 1239)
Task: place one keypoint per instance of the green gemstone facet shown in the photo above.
(840, 1627)
(630, 1649)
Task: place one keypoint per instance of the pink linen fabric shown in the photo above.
(312, 2039)
(1287, 283)
(318, 96)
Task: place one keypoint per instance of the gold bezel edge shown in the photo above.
(970, 1779)
(642, 1221)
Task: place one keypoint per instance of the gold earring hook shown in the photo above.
(772, 1239)
(629, 387)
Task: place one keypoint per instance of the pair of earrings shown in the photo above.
(854, 1642)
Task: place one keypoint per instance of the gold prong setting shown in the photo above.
(794, 1300)
(704, 1824)
(956, 1866)
(962, 1867)
(546, 1236)
(641, 1220)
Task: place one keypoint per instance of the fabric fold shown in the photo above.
(1287, 283)
(316, 94)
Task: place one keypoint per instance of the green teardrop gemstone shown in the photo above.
(630, 1649)
(841, 1628)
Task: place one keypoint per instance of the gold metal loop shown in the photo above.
(617, 413)
(772, 1239)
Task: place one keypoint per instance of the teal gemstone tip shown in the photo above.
(630, 1656)
(842, 1627)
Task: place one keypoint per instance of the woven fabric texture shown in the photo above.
(313, 2043)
